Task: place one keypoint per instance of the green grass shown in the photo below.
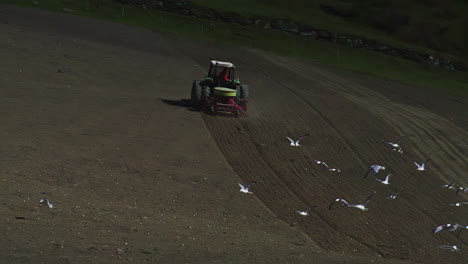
(420, 34)
(268, 40)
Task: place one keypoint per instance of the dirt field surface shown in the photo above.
(94, 117)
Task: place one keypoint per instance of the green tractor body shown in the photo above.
(220, 74)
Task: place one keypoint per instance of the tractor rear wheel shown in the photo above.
(238, 95)
(244, 92)
(205, 97)
(196, 95)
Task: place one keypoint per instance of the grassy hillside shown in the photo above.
(433, 24)
(269, 40)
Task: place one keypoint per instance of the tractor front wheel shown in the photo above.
(196, 95)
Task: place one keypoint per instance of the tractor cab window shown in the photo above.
(224, 73)
(217, 70)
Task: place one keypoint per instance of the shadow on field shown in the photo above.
(185, 103)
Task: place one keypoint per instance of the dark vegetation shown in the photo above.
(438, 25)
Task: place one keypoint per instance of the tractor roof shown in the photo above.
(223, 64)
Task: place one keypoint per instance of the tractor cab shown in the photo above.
(222, 73)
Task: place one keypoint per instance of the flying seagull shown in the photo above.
(421, 167)
(358, 206)
(386, 181)
(46, 202)
(306, 212)
(395, 146)
(392, 196)
(447, 227)
(295, 143)
(321, 162)
(450, 185)
(337, 170)
(453, 247)
(247, 187)
(374, 169)
(458, 204)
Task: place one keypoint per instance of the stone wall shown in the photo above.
(187, 8)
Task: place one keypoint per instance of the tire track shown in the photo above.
(283, 102)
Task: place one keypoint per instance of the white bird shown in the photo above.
(395, 146)
(374, 169)
(46, 202)
(247, 187)
(392, 196)
(453, 247)
(358, 206)
(458, 204)
(306, 212)
(450, 185)
(386, 181)
(295, 143)
(421, 167)
(337, 170)
(447, 227)
(321, 162)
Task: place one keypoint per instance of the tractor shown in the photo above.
(220, 91)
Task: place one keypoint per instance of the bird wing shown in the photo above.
(291, 140)
(426, 161)
(343, 201)
(388, 176)
(299, 138)
(437, 229)
(369, 172)
(368, 199)
(417, 164)
(452, 184)
(325, 164)
(250, 184)
(398, 141)
(242, 186)
(389, 143)
(445, 246)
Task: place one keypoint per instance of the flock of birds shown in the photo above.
(374, 170)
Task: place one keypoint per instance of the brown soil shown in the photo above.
(94, 118)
